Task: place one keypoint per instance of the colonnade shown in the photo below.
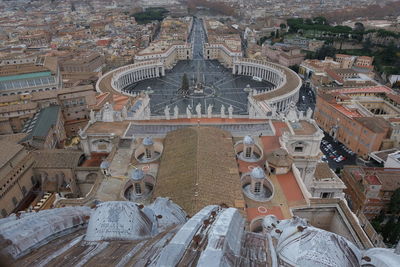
(282, 104)
(271, 75)
(286, 85)
(127, 75)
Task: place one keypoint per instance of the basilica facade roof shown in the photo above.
(198, 168)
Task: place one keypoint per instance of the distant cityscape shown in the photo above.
(200, 133)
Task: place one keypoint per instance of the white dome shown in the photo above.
(269, 222)
(248, 140)
(120, 220)
(136, 174)
(104, 164)
(300, 244)
(381, 257)
(148, 141)
(257, 173)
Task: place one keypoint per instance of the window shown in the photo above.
(326, 195)
(15, 201)
(138, 189)
(257, 187)
(298, 149)
(148, 153)
(248, 152)
(23, 190)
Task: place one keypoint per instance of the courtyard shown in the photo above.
(219, 88)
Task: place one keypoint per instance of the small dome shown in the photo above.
(136, 174)
(248, 140)
(104, 164)
(257, 173)
(148, 141)
(308, 246)
(120, 220)
(269, 221)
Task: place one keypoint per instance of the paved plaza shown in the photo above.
(219, 85)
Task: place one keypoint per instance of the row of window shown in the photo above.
(74, 102)
(28, 92)
(374, 210)
(6, 186)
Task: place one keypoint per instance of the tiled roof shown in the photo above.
(279, 158)
(322, 171)
(394, 97)
(57, 158)
(346, 111)
(9, 150)
(375, 124)
(198, 168)
(370, 89)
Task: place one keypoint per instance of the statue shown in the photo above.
(92, 116)
(108, 113)
(198, 110)
(176, 112)
(209, 111)
(230, 111)
(166, 112)
(188, 112)
(222, 111)
(301, 115)
(80, 132)
(292, 113)
(124, 113)
(118, 116)
(274, 111)
(309, 113)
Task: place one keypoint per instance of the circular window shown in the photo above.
(146, 168)
(262, 209)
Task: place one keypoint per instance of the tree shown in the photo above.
(325, 51)
(394, 205)
(358, 26)
(367, 45)
(388, 228)
(320, 21)
(282, 26)
(185, 85)
(277, 34)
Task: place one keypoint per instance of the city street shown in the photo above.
(335, 153)
(334, 150)
(306, 98)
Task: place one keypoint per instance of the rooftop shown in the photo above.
(371, 89)
(322, 171)
(57, 158)
(42, 122)
(375, 124)
(303, 127)
(9, 150)
(198, 168)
